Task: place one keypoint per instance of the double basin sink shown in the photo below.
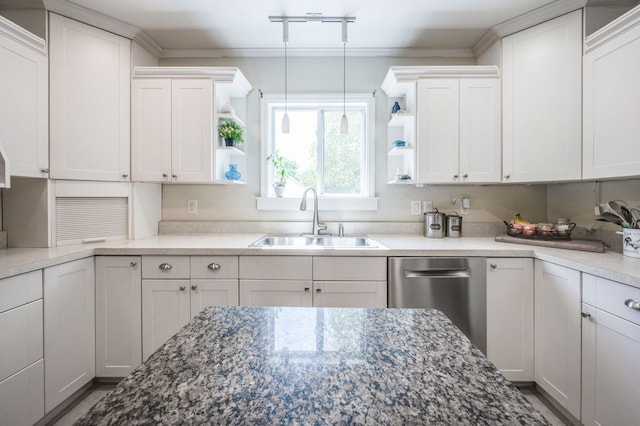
(314, 241)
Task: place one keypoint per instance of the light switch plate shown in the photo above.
(427, 206)
(416, 207)
(192, 206)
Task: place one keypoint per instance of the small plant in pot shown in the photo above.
(281, 172)
(231, 132)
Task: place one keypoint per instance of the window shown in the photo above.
(339, 167)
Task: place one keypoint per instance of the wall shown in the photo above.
(324, 74)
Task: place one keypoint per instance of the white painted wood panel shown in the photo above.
(510, 317)
(20, 289)
(118, 315)
(22, 396)
(214, 267)
(276, 293)
(351, 268)
(276, 267)
(69, 329)
(350, 294)
(165, 267)
(207, 292)
(21, 337)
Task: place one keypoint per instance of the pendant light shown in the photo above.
(285, 38)
(344, 123)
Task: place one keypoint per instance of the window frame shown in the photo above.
(368, 201)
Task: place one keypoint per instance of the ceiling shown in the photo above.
(380, 24)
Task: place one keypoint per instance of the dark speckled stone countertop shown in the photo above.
(306, 366)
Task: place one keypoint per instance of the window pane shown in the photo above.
(343, 154)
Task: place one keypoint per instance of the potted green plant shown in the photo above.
(231, 132)
(281, 172)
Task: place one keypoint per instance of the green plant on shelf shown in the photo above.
(229, 130)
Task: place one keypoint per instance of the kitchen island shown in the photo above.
(257, 365)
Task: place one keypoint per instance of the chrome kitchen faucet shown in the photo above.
(317, 226)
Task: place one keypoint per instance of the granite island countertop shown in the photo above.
(256, 365)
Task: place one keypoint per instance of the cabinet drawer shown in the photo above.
(20, 289)
(170, 267)
(22, 396)
(214, 267)
(355, 268)
(610, 296)
(21, 337)
(275, 267)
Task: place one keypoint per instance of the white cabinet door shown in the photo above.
(24, 113)
(165, 310)
(558, 333)
(480, 130)
(610, 354)
(205, 293)
(69, 329)
(90, 102)
(151, 130)
(611, 93)
(192, 140)
(542, 101)
(276, 293)
(118, 315)
(22, 396)
(510, 317)
(437, 130)
(350, 294)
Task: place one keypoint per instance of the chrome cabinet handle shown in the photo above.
(632, 304)
(493, 266)
(183, 288)
(165, 266)
(194, 287)
(134, 263)
(585, 315)
(306, 289)
(213, 266)
(45, 170)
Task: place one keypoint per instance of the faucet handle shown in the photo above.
(340, 230)
(322, 226)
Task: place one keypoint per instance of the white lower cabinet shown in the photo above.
(177, 288)
(610, 353)
(276, 293)
(558, 333)
(510, 317)
(69, 329)
(118, 315)
(21, 363)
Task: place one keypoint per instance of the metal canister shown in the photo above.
(434, 224)
(454, 225)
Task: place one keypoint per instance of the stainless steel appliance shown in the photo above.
(456, 286)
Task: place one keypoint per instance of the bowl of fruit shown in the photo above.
(520, 227)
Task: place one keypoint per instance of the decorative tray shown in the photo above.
(548, 232)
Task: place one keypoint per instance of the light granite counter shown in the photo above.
(610, 265)
(248, 365)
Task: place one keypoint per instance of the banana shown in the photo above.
(519, 220)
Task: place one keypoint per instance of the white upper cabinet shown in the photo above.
(90, 102)
(24, 93)
(458, 138)
(542, 101)
(611, 93)
(174, 123)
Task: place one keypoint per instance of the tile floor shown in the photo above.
(95, 394)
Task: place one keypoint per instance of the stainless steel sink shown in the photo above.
(314, 241)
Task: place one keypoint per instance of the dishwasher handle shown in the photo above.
(437, 273)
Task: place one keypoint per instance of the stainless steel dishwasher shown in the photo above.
(456, 286)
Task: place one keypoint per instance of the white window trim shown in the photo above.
(335, 203)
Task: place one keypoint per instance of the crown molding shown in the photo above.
(317, 52)
(613, 29)
(526, 20)
(399, 78)
(239, 86)
(149, 44)
(22, 36)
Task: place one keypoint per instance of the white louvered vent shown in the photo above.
(82, 218)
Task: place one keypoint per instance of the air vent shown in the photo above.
(82, 219)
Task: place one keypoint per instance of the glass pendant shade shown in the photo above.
(285, 123)
(344, 125)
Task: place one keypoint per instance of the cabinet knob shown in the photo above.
(507, 176)
(45, 170)
(585, 315)
(213, 266)
(455, 176)
(164, 175)
(165, 266)
(134, 263)
(174, 176)
(493, 266)
(318, 290)
(465, 175)
(183, 287)
(194, 287)
(306, 289)
(124, 175)
(632, 304)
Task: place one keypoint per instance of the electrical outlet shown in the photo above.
(416, 207)
(192, 206)
(465, 205)
(427, 206)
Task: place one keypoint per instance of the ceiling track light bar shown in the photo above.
(313, 17)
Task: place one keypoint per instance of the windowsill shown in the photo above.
(333, 204)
